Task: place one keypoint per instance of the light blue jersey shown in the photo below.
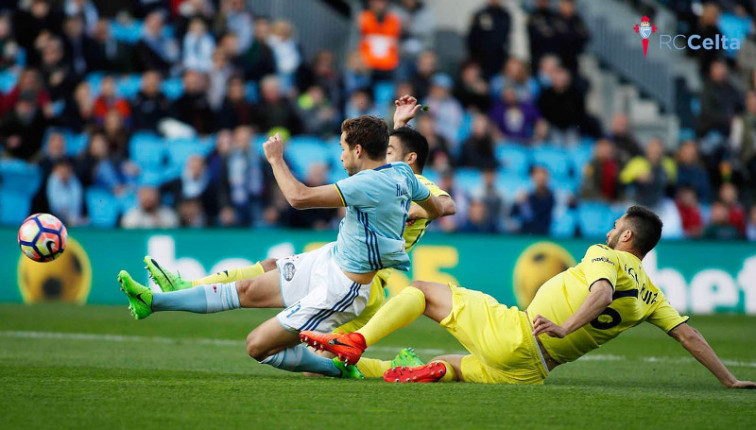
(377, 201)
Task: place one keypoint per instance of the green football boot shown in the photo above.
(407, 358)
(164, 278)
(139, 296)
(347, 371)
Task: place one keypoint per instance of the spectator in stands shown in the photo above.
(40, 17)
(418, 27)
(477, 150)
(548, 64)
(149, 213)
(193, 107)
(708, 28)
(318, 115)
(258, 60)
(29, 83)
(65, 194)
(235, 18)
(217, 159)
(191, 9)
(728, 195)
(492, 199)
(563, 107)
(78, 113)
(54, 152)
(751, 227)
(285, 51)
(720, 101)
(323, 73)
(690, 212)
(743, 136)
(426, 67)
(155, 50)
(356, 74)
(81, 50)
(191, 213)
(21, 130)
(515, 118)
(601, 174)
(534, 208)
(471, 89)
(116, 56)
(488, 38)
(647, 178)
(8, 45)
(461, 200)
(150, 105)
(246, 177)
(58, 76)
(720, 227)
(620, 134)
(439, 156)
(198, 47)
(446, 109)
(143, 8)
(195, 184)
(235, 110)
(108, 100)
(691, 172)
(360, 103)
(541, 31)
(218, 77)
(85, 10)
(95, 168)
(571, 35)
(380, 30)
(117, 134)
(275, 110)
(478, 219)
(515, 75)
(316, 219)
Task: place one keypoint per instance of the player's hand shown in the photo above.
(742, 384)
(415, 212)
(273, 148)
(542, 325)
(406, 109)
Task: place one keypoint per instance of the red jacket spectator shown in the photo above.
(380, 31)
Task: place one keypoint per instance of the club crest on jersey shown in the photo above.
(289, 269)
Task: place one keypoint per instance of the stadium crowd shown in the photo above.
(92, 88)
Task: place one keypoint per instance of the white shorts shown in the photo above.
(318, 295)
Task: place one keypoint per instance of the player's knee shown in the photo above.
(255, 347)
(422, 286)
(428, 288)
(244, 287)
(268, 264)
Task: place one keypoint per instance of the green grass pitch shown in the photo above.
(94, 367)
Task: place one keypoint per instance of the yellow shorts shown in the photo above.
(376, 300)
(499, 338)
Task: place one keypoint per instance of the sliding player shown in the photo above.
(573, 313)
(325, 288)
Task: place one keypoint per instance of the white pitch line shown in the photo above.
(238, 344)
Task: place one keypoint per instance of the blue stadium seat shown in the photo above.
(173, 88)
(179, 151)
(20, 177)
(383, 93)
(563, 224)
(513, 158)
(465, 129)
(127, 201)
(580, 157)
(128, 86)
(305, 150)
(103, 208)
(594, 218)
(8, 80)
(556, 161)
(468, 179)
(510, 186)
(14, 206)
(147, 150)
(250, 90)
(126, 33)
(94, 80)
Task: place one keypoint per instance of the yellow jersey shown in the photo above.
(635, 299)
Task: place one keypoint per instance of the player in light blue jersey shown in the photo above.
(320, 289)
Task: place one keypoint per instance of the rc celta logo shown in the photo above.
(645, 29)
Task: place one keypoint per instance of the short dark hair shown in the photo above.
(368, 131)
(413, 141)
(646, 226)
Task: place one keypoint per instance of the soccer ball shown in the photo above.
(42, 237)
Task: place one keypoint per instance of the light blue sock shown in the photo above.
(202, 299)
(300, 359)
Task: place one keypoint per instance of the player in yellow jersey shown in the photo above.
(573, 313)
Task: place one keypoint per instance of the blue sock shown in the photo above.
(202, 299)
(300, 359)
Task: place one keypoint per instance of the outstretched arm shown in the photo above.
(598, 299)
(697, 346)
(299, 195)
(406, 109)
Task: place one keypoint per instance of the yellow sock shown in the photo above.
(372, 367)
(451, 375)
(395, 314)
(231, 275)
